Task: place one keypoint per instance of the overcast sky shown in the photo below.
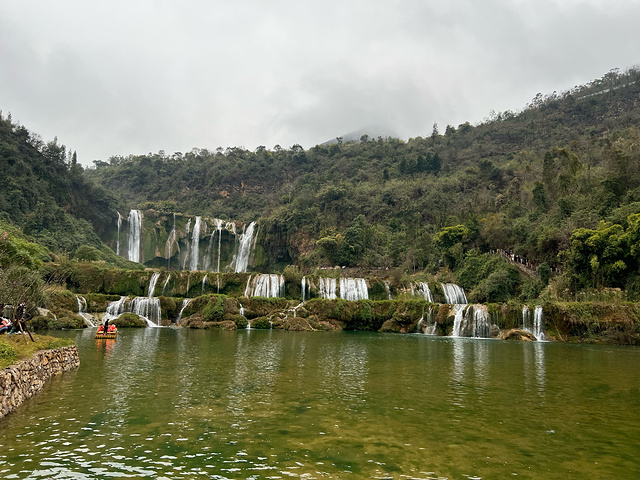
(131, 77)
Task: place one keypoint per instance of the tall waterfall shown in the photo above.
(387, 288)
(82, 311)
(327, 288)
(171, 240)
(135, 235)
(354, 289)
(166, 282)
(422, 289)
(244, 251)
(538, 322)
(454, 294)
(303, 287)
(525, 319)
(219, 228)
(266, 286)
(195, 245)
(188, 254)
(118, 240)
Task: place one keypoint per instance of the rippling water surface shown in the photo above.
(183, 404)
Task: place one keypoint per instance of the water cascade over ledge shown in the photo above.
(265, 285)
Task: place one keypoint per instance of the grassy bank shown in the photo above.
(13, 348)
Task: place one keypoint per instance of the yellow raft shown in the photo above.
(102, 335)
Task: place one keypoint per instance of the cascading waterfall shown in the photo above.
(204, 281)
(327, 288)
(135, 235)
(82, 311)
(387, 287)
(118, 241)
(244, 250)
(354, 289)
(195, 245)
(472, 321)
(422, 289)
(147, 307)
(185, 302)
(267, 286)
(454, 294)
(538, 322)
(206, 262)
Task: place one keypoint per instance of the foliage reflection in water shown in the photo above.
(181, 404)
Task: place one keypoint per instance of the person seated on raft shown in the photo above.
(111, 329)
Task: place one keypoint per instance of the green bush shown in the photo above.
(261, 323)
(239, 320)
(7, 352)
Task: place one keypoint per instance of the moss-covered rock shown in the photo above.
(62, 320)
(263, 323)
(517, 334)
(129, 320)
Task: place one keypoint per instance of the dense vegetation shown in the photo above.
(557, 183)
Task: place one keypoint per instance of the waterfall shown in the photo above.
(118, 241)
(173, 238)
(147, 307)
(195, 245)
(166, 282)
(268, 286)
(204, 279)
(185, 302)
(525, 318)
(454, 294)
(327, 288)
(82, 311)
(353, 289)
(422, 289)
(187, 231)
(538, 321)
(219, 228)
(471, 321)
(303, 287)
(244, 251)
(387, 287)
(247, 289)
(152, 284)
(135, 235)
(206, 262)
(428, 327)
(241, 310)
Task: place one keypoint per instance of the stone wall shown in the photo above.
(26, 378)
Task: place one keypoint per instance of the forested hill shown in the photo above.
(45, 193)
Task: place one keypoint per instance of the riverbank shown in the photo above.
(27, 366)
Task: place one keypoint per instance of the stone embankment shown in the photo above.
(26, 378)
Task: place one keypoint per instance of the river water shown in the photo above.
(182, 404)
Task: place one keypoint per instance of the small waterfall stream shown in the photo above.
(421, 289)
(82, 311)
(265, 285)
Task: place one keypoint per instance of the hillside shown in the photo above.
(536, 183)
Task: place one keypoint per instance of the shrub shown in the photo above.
(214, 313)
(7, 352)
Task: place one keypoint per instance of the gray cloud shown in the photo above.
(133, 77)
